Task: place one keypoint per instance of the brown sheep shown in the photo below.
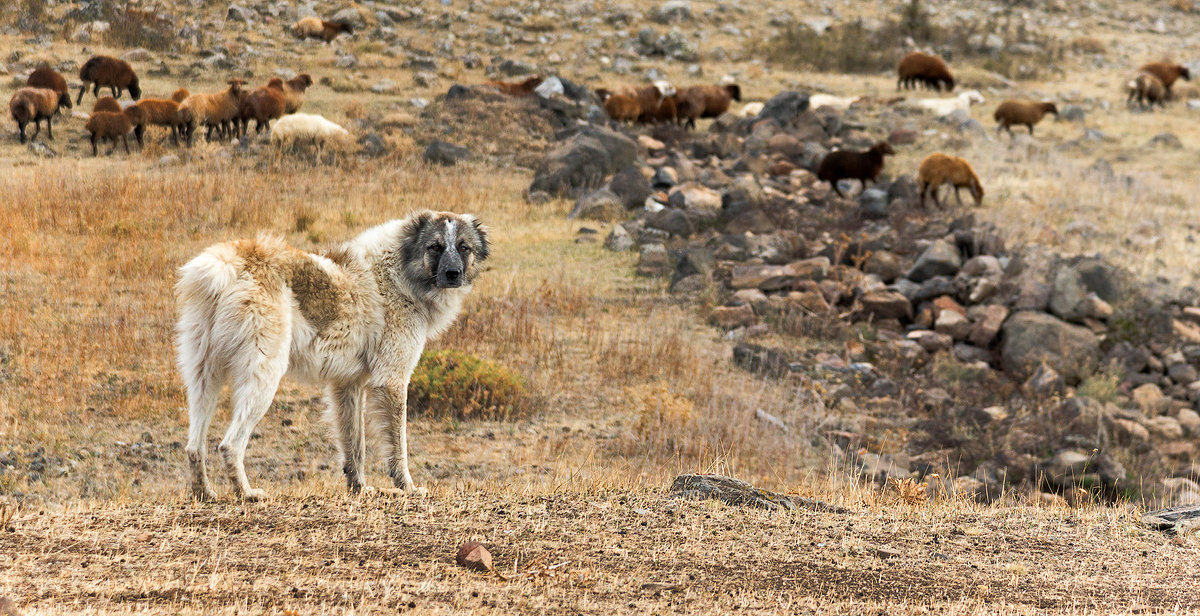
(852, 165)
(262, 105)
(518, 89)
(217, 111)
(293, 92)
(665, 111)
(1147, 90)
(46, 77)
(924, 69)
(156, 112)
(938, 169)
(1022, 112)
(622, 108)
(180, 95)
(106, 103)
(109, 71)
(34, 105)
(108, 125)
(1167, 73)
(706, 102)
(315, 27)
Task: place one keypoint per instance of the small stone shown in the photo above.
(940, 259)
(886, 305)
(445, 153)
(474, 556)
(953, 324)
(1189, 420)
(1149, 398)
(1164, 427)
(601, 205)
(618, 239)
(987, 325)
(654, 261)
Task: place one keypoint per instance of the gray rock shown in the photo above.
(373, 145)
(729, 490)
(654, 261)
(239, 14)
(672, 11)
(630, 186)
(1031, 338)
(618, 239)
(1068, 296)
(673, 221)
(445, 153)
(664, 177)
(583, 161)
(873, 204)
(940, 259)
(887, 305)
(1071, 113)
(600, 205)
(347, 60)
(785, 107)
(1166, 140)
(350, 16)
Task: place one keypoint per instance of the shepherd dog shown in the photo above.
(354, 320)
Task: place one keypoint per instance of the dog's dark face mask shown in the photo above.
(449, 249)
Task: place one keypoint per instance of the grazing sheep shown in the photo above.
(622, 108)
(262, 105)
(45, 77)
(852, 165)
(109, 125)
(924, 69)
(665, 111)
(1021, 112)
(306, 127)
(706, 102)
(293, 92)
(156, 112)
(518, 89)
(946, 106)
(647, 97)
(315, 27)
(938, 169)
(34, 105)
(109, 71)
(816, 101)
(1167, 73)
(217, 111)
(1147, 90)
(107, 103)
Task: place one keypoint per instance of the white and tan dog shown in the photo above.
(354, 320)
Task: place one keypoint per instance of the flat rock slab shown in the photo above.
(1172, 518)
(737, 492)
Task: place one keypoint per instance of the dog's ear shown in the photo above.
(485, 247)
(410, 235)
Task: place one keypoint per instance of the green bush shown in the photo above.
(464, 386)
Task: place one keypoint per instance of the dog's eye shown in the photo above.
(434, 248)
(463, 248)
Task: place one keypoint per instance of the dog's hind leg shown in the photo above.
(253, 389)
(346, 402)
(203, 393)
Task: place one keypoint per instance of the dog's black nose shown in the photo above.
(453, 274)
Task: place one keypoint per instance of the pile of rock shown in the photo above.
(737, 214)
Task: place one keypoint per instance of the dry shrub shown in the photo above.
(1087, 44)
(662, 417)
(131, 27)
(450, 383)
(356, 110)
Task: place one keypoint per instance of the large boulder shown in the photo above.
(785, 107)
(1031, 338)
(630, 186)
(583, 161)
(940, 259)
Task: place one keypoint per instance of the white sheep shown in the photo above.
(300, 127)
(751, 110)
(946, 106)
(816, 101)
(665, 88)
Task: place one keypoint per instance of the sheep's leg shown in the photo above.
(837, 190)
(138, 132)
(1030, 129)
(82, 89)
(115, 91)
(93, 139)
(49, 129)
(21, 127)
(958, 194)
(96, 90)
(124, 140)
(37, 127)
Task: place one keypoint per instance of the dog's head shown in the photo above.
(443, 250)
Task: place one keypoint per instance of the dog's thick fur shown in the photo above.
(354, 320)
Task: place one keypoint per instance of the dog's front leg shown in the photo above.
(347, 403)
(393, 402)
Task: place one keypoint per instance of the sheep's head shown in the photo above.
(883, 148)
(275, 82)
(235, 85)
(603, 94)
(665, 88)
(64, 100)
(735, 91)
(1050, 108)
(1185, 73)
(973, 97)
(135, 89)
(300, 82)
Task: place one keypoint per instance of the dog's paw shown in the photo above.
(254, 495)
(203, 494)
(416, 491)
